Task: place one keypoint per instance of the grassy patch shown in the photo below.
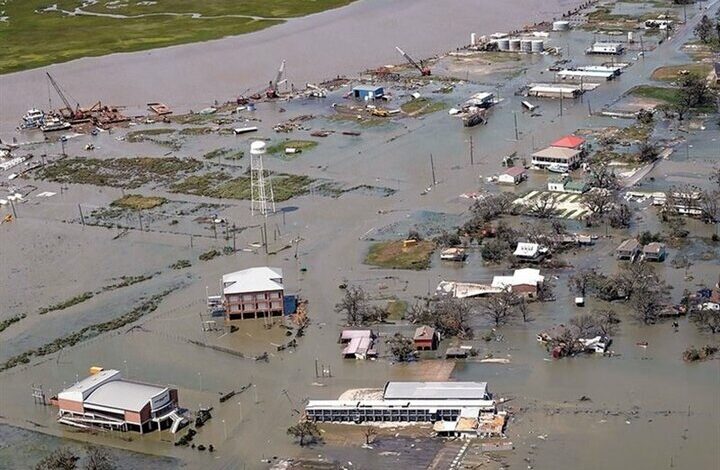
(663, 94)
(221, 185)
(9, 321)
(224, 152)
(196, 131)
(181, 264)
(302, 145)
(210, 254)
(126, 281)
(78, 299)
(138, 202)
(396, 309)
(421, 106)
(145, 134)
(393, 255)
(127, 173)
(75, 36)
(671, 73)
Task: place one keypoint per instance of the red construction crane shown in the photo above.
(424, 71)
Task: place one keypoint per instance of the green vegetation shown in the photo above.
(9, 321)
(221, 185)
(145, 134)
(181, 264)
(664, 94)
(88, 332)
(421, 106)
(196, 131)
(394, 255)
(396, 309)
(671, 73)
(75, 36)
(302, 145)
(126, 281)
(127, 173)
(224, 152)
(138, 202)
(78, 299)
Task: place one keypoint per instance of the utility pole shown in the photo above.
(517, 135)
(562, 97)
(12, 205)
(266, 237)
(472, 148)
(82, 218)
(140, 220)
(432, 168)
(233, 233)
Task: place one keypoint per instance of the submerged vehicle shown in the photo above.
(558, 168)
(54, 123)
(32, 119)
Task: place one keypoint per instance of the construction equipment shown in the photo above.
(424, 71)
(380, 112)
(272, 90)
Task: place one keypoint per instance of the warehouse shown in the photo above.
(408, 402)
(106, 400)
(582, 75)
(606, 48)
(554, 91)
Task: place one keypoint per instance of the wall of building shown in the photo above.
(254, 305)
(68, 405)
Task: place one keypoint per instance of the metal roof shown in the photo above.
(557, 152)
(82, 389)
(569, 141)
(436, 391)
(424, 332)
(124, 395)
(515, 171)
(629, 245)
(371, 88)
(258, 279)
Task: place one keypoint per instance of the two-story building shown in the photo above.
(253, 293)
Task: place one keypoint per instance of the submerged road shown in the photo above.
(342, 41)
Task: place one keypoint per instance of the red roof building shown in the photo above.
(569, 142)
(425, 339)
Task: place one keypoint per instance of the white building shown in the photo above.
(610, 48)
(525, 282)
(529, 251)
(566, 158)
(253, 293)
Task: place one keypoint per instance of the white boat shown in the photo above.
(558, 168)
(54, 124)
(32, 119)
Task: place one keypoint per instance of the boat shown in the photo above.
(32, 119)
(54, 123)
(558, 168)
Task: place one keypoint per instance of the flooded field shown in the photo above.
(644, 407)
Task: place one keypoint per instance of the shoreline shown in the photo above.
(202, 72)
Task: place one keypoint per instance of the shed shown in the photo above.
(576, 187)
(425, 338)
(628, 249)
(456, 353)
(368, 92)
(514, 175)
(557, 184)
(654, 252)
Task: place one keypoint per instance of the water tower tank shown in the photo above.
(257, 147)
(537, 46)
(515, 45)
(473, 39)
(526, 45)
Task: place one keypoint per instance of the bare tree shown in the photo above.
(370, 433)
(603, 176)
(546, 290)
(543, 206)
(524, 309)
(606, 321)
(59, 459)
(599, 201)
(619, 216)
(354, 306)
(647, 300)
(401, 347)
(305, 432)
(707, 319)
(501, 308)
(710, 206)
(99, 458)
(449, 316)
(583, 280)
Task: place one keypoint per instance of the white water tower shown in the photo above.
(261, 192)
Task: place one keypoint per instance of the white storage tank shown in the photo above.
(538, 46)
(503, 44)
(561, 25)
(257, 147)
(473, 39)
(515, 45)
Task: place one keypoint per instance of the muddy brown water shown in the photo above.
(672, 408)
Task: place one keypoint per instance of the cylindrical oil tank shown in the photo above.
(515, 45)
(526, 45)
(538, 45)
(473, 39)
(503, 44)
(561, 25)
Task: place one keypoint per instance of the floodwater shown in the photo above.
(342, 41)
(672, 408)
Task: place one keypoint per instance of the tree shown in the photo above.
(60, 459)
(619, 216)
(705, 29)
(599, 201)
(524, 309)
(693, 92)
(543, 206)
(99, 458)
(487, 209)
(370, 432)
(601, 175)
(706, 319)
(546, 290)
(449, 316)
(446, 239)
(414, 235)
(647, 295)
(305, 432)
(501, 308)
(582, 280)
(647, 152)
(710, 206)
(401, 347)
(644, 116)
(606, 321)
(353, 306)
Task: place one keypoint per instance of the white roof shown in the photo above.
(258, 279)
(81, 390)
(524, 276)
(435, 391)
(124, 395)
(527, 249)
(557, 152)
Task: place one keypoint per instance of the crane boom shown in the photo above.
(280, 73)
(423, 70)
(59, 91)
